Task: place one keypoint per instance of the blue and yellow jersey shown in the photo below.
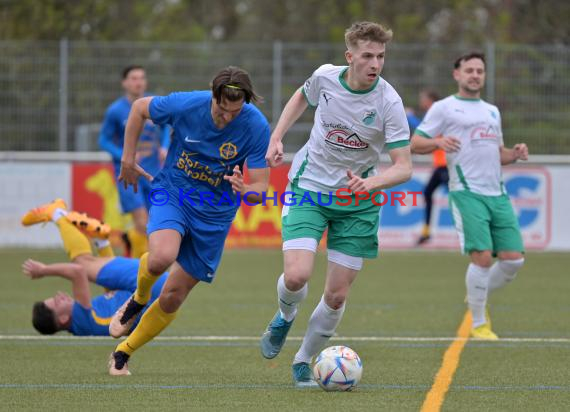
(95, 320)
(152, 138)
(120, 275)
(200, 154)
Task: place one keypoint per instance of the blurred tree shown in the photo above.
(439, 21)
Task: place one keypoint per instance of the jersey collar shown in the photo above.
(347, 87)
(467, 99)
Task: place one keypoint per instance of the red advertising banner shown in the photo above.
(260, 225)
(94, 192)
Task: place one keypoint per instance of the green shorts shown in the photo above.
(485, 222)
(352, 229)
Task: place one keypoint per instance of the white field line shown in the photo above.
(292, 338)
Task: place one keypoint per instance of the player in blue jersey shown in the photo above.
(81, 314)
(150, 153)
(215, 134)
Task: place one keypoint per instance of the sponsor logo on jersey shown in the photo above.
(343, 139)
(228, 151)
(484, 133)
(198, 171)
(369, 117)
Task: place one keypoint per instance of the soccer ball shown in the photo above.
(337, 368)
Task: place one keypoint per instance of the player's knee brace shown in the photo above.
(510, 268)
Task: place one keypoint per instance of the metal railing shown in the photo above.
(53, 95)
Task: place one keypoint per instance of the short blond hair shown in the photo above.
(365, 30)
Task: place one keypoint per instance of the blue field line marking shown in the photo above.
(221, 344)
(103, 386)
(230, 338)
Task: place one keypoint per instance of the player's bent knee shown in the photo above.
(482, 258)
(158, 263)
(295, 281)
(172, 299)
(335, 300)
(504, 256)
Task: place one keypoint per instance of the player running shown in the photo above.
(469, 130)
(215, 133)
(82, 315)
(357, 113)
(151, 153)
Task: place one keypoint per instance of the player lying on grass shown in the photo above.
(81, 314)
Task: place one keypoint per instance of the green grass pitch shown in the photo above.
(410, 295)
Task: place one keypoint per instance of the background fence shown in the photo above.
(53, 95)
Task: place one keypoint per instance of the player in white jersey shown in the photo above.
(357, 113)
(469, 130)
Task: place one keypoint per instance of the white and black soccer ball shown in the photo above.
(337, 368)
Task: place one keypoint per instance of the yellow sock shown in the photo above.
(75, 243)
(106, 251)
(144, 281)
(425, 231)
(151, 324)
(139, 243)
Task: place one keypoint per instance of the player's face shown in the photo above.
(366, 61)
(470, 76)
(425, 102)
(225, 111)
(135, 83)
(61, 304)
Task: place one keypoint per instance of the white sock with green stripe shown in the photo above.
(477, 282)
(289, 300)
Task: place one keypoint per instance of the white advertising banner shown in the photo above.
(540, 197)
(539, 194)
(24, 186)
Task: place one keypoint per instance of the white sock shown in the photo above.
(503, 272)
(58, 214)
(322, 326)
(289, 300)
(101, 243)
(477, 281)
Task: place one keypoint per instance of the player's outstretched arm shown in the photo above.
(73, 272)
(399, 172)
(130, 170)
(291, 113)
(518, 152)
(258, 183)
(108, 130)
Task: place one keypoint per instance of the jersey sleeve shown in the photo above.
(256, 160)
(164, 109)
(311, 88)
(396, 129)
(433, 123)
(80, 320)
(108, 131)
(165, 132)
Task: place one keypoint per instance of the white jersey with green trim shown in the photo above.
(477, 124)
(349, 130)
